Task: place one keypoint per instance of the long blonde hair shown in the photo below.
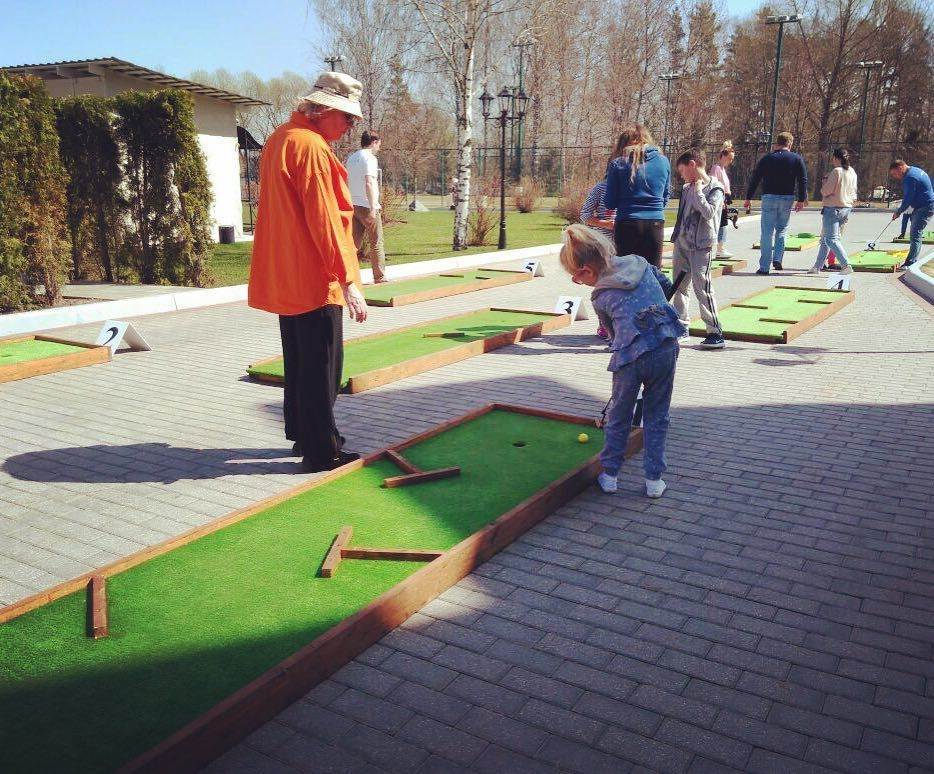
(632, 142)
(727, 149)
(582, 247)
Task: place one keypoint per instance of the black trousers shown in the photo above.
(313, 356)
(640, 237)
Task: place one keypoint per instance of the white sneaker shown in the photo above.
(847, 270)
(655, 489)
(724, 253)
(607, 483)
(813, 270)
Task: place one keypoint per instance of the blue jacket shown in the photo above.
(643, 197)
(632, 293)
(916, 188)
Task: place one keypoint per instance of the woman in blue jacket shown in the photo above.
(637, 182)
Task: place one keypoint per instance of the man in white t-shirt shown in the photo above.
(363, 179)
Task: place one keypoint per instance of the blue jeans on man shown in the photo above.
(919, 222)
(834, 218)
(776, 212)
(654, 371)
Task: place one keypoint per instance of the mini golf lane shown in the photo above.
(413, 291)
(196, 623)
(778, 315)
(884, 261)
(801, 241)
(371, 361)
(927, 238)
(21, 358)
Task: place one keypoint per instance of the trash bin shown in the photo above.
(227, 235)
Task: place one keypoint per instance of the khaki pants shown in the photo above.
(368, 238)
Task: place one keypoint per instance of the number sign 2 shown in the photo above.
(572, 305)
(115, 332)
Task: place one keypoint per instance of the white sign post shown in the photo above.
(534, 268)
(572, 305)
(115, 332)
(837, 281)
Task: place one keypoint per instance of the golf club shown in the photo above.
(872, 245)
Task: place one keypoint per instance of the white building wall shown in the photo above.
(216, 123)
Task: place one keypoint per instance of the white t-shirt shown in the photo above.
(360, 165)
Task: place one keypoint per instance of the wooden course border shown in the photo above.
(519, 275)
(794, 329)
(208, 736)
(380, 376)
(91, 355)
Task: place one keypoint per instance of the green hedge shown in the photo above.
(114, 188)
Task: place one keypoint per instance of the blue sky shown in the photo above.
(174, 36)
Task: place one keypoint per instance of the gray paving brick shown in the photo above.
(524, 656)
(358, 675)
(767, 735)
(385, 751)
(497, 760)
(558, 720)
(905, 702)
(639, 749)
(873, 715)
(378, 713)
(768, 762)
(571, 756)
(442, 740)
(698, 713)
(850, 760)
(425, 701)
(704, 669)
(470, 663)
(618, 713)
(312, 719)
(750, 661)
(784, 691)
(708, 743)
(541, 687)
(418, 670)
(595, 680)
(917, 753)
(504, 731)
(748, 703)
(485, 694)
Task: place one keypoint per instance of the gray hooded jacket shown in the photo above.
(698, 216)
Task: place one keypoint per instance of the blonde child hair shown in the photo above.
(727, 149)
(582, 247)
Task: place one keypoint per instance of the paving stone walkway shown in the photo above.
(774, 612)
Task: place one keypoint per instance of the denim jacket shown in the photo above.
(630, 292)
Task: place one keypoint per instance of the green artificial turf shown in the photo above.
(800, 241)
(193, 625)
(13, 352)
(927, 238)
(385, 292)
(876, 260)
(398, 346)
(782, 303)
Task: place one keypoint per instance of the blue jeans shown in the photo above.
(833, 218)
(654, 371)
(721, 235)
(776, 211)
(919, 221)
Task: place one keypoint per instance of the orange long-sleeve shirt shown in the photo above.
(303, 246)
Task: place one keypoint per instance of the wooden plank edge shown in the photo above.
(394, 482)
(391, 554)
(335, 553)
(50, 365)
(454, 290)
(98, 625)
(225, 724)
(815, 319)
(401, 462)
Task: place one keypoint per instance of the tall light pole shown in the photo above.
(511, 109)
(781, 21)
(668, 78)
(521, 43)
(868, 67)
(332, 61)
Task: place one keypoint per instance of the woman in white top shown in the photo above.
(724, 160)
(839, 196)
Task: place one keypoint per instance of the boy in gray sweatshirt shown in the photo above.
(695, 242)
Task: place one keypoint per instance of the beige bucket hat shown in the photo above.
(338, 91)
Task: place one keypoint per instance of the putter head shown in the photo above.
(871, 246)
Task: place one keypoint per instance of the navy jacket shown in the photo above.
(781, 173)
(917, 191)
(642, 197)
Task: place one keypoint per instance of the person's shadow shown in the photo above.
(145, 463)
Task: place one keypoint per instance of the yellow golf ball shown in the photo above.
(583, 438)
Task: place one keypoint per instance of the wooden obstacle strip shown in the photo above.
(420, 477)
(339, 550)
(417, 289)
(63, 354)
(401, 462)
(97, 607)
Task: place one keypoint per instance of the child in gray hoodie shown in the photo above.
(645, 329)
(695, 241)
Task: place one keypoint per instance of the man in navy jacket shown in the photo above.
(782, 174)
(917, 195)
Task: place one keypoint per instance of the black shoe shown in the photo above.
(762, 272)
(777, 265)
(297, 447)
(905, 265)
(317, 466)
(900, 236)
(830, 268)
(713, 341)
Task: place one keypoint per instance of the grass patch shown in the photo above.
(13, 352)
(423, 236)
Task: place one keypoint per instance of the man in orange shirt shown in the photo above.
(304, 266)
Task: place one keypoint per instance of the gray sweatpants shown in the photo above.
(697, 264)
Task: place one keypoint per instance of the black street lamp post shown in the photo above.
(332, 61)
(511, 109)
(668, 78)
(868, 67)
(781, 21)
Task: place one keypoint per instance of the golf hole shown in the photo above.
(518, 444)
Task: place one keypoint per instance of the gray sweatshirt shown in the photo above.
(698, 216)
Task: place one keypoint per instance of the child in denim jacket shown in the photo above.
(632, 293)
